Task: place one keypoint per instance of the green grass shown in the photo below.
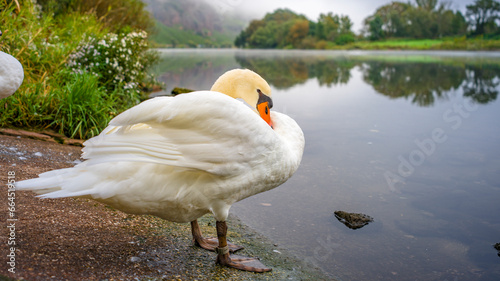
(472, 44)
(78, 109)
(400, 44)
(83, 109)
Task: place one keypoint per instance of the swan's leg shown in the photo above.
(208, 243)
(238, 262)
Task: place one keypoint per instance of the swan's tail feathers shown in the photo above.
(56, 184)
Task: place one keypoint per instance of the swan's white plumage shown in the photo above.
(181, 157)
(11, 75)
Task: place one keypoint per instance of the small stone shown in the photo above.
(353, 220)
(135, 259)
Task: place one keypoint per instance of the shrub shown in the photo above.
(118, 60)
(344, 39)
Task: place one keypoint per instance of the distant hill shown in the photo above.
(192, 23)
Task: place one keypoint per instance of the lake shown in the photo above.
(411, 139)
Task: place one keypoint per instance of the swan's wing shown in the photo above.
(203, 130)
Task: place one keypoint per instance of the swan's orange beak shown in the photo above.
(264, 106)
(265, 112)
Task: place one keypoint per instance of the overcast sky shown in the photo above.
(357, 10)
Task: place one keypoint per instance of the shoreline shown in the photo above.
(74, 239)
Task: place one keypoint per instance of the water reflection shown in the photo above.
(481, 83)
(286, 72)
(422, 82)
(361, 114)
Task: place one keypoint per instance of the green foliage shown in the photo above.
(375, 28)
(116, 15)
(52, 95)
(77, 109)
(405, 44)
(426, 20)
(393, 26)
(286, 29)
(453, 43)
(39, 42)
(331, 27)
(344, 39)
(271, 36)
(118, 60)
(458, 24)
(483, 16)
(84, 108)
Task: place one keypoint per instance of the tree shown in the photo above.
(242, 39)
(445, 23)
(335, 28)
(482, 15)
(284, 28)
(345, 25)
(330, 26)
(394, 17)
(298, 31)
(459, 24)
(425, 19)
(265, 37)
(428, 5)
(375, 28)
(422, 24)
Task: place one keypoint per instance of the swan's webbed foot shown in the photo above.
(234, 261)
(242, 263)
(211, 243)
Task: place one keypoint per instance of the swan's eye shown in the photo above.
(264, 98)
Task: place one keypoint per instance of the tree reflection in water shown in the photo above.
(481, 83)
(421, 82)
(285, 72)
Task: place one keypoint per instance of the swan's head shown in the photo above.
(249, 86)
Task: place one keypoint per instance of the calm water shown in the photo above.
(410, 138)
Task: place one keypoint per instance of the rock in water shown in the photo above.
(353, 220)
(178, 90)
(497, 247)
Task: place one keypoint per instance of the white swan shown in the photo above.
(11, 74)
(181, 157)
